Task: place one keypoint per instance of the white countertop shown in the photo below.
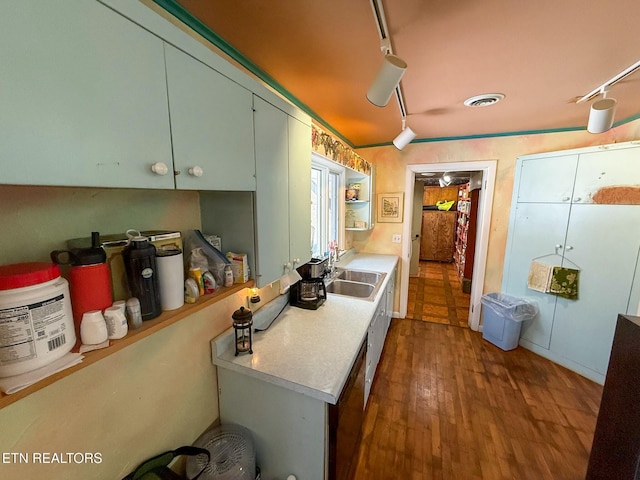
(310, 351)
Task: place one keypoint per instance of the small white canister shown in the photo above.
(36, 321)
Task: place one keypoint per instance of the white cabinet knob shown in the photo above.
(566, 199)
(196, 171)
(287, 265)
(577, 199)
(296, 261)
(568, 247)
(160, 168)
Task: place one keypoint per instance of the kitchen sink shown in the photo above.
(360, 276)
(356, 283)
(351, 289)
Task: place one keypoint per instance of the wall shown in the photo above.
(152, 396)
(391, 166)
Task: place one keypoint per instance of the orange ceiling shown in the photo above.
(541, 54)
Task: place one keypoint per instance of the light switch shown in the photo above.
(396, 238)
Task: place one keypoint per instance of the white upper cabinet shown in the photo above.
(83, 97)
(211, 126)
(283, 194)
(606, 168)
(299, 135)
(547, 180)
(272, 201)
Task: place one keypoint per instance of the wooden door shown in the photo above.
(437, 235)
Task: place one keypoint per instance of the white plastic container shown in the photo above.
(36, 321)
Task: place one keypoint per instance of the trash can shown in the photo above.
(503, 317)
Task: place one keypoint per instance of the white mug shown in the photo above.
(116, 322)
(93, 328)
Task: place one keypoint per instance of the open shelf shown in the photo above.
(148, 327)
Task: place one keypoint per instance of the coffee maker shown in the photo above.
(310, 292)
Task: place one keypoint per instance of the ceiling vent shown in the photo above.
(484, 100)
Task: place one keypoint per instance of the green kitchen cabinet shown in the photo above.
(283, 192)
(211, 127)
(83, 96)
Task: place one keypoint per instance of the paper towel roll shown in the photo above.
(289, 279)
(170, 278)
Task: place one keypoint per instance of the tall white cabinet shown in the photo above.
(283, 193)
(572, 209)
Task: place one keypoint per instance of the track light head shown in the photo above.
(404, 138)
(388, 78)
(601, 115)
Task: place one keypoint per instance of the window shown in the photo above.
(327, 181)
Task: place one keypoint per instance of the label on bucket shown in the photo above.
(33, 330)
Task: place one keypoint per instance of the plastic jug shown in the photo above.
(89, 278)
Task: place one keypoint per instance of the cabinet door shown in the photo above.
(272, 197)
(211, 126)
(536, 231)
(299, 191)
(547, 179)
(603, 240)
(83, 97)
(602, 176)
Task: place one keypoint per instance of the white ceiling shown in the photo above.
(541, 54)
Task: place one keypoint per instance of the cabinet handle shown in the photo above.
(566, 199)
(160, 168)
(296, 261)
(287, 266)
(196, 171)
(577, 199)
(558, 247)
(568, 247)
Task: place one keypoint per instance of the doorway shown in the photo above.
(443, 246)
(485, 203)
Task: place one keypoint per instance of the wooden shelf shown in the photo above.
(148, 327)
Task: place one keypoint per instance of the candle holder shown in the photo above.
(242, 324)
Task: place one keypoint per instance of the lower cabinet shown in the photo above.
(290, 430)
(377, 334)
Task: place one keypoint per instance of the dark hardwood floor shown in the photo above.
(446, 404)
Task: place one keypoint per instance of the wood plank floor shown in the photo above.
(446, 404)
(436, 295)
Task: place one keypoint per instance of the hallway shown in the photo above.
(436, 295)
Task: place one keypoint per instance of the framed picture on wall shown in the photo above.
(390, 207)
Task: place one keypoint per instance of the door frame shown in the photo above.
(485, 205)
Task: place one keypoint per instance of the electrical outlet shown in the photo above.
(396, 238)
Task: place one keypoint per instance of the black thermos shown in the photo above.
(142, 275)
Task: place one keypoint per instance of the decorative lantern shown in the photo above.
(242, 324)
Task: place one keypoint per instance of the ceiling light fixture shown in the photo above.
(405, 136)
(445, 180)
(388, 78)
(601, 114)
(602, 111)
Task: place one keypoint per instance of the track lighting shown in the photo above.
(388, 78)
(405, 136)
(601, 114)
